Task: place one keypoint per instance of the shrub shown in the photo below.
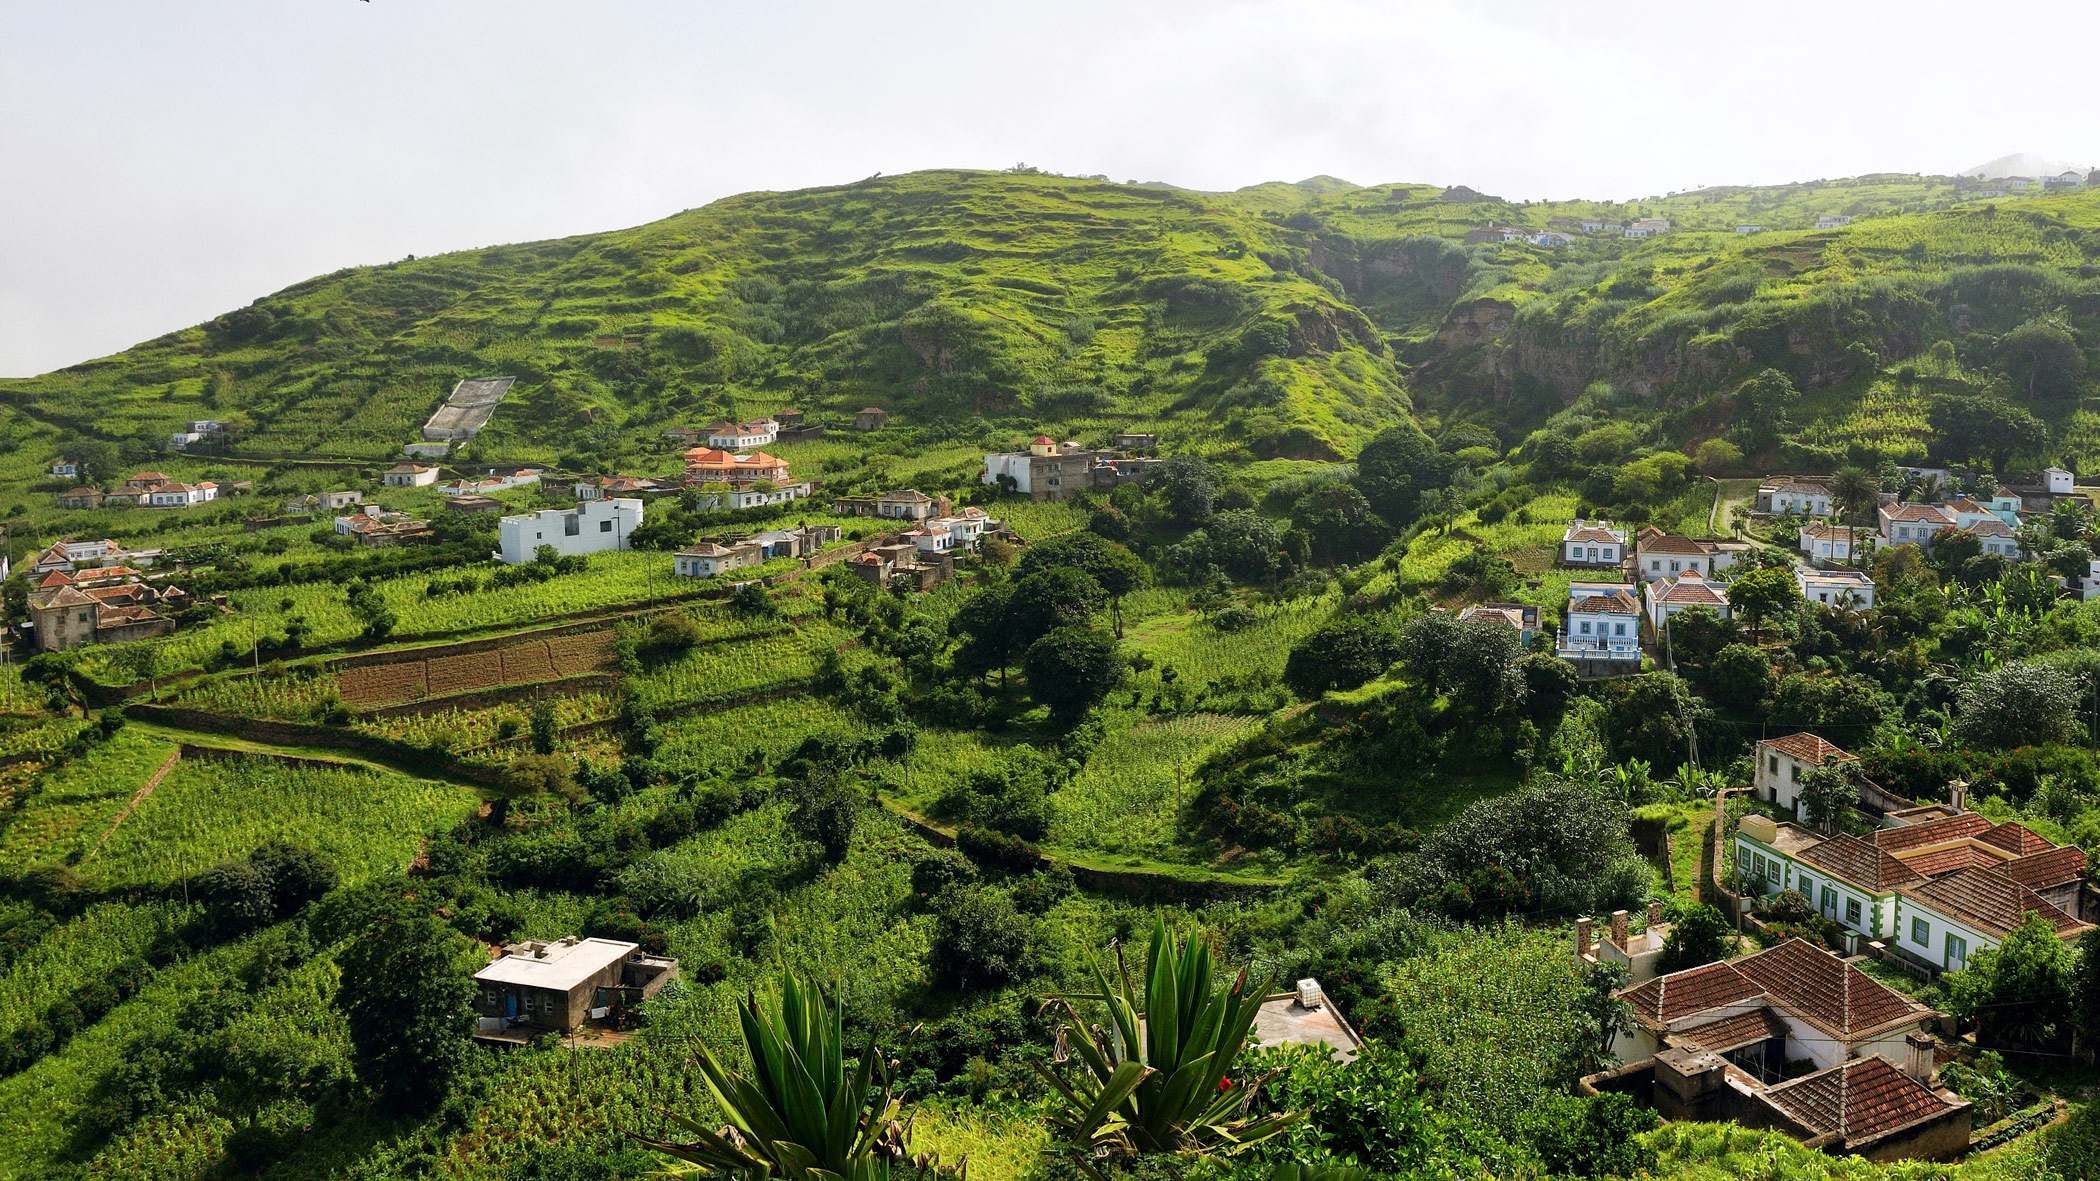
(996, 849)
(980, 940)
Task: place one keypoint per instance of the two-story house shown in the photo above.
(1602, 623)
(1850, 590)
(1913, 524)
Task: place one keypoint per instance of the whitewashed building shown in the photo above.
(593, 526)
(1913, 524)
(1592, 544)
(1850, 590)
(1603, 623)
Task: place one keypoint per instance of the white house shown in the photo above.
(739, 436)
(1592, 543)
(1668, 596)
(1996, 537)
(1782, 761)
(490, 485)
(1944, 921)
(1603, 622)
(1825, 544)
(1664, 555)
(1749, 229)
(2069, 180)
(1913, 524)
(1648, 227)
(1848, 589)
(409, 475)
(182, 495)
(2016, 183)
(708, 559)
(593, 526)
(749, 496)
(2087, 586)
(932, 538)
(66, 467)
(965, 528)
(1598, 225)
(1831, 221)
(2059, 481)
(1794, 494)
(1550, 238)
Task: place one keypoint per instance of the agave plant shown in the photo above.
(800, 1114)
(1155, 1079)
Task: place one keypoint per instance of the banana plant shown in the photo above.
(1155, 1078)
(800, 1114)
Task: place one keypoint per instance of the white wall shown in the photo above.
(600, 525)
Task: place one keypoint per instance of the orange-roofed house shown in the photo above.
(712, 465)
(1781, 762)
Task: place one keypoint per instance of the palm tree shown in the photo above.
(1156, 1079)
(799, 1115)
(1857, 491)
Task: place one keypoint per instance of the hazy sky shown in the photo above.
(162, 162)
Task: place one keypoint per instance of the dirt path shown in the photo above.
(138, 797)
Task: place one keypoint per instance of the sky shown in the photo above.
(163, 163)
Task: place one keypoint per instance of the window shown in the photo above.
(1830, 902)
(1607, 553)
(1921, 932)
(1852, 912)
(1618, 629)
(1772, 764)
(571, 525)
(1763, 866)
(488, 997)
(1807, 886)
(605, 526)
(1656, 564)
(1793, 772)
(1957, 951)
(1585, 629)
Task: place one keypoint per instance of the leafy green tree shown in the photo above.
(1716, 456)
(1762, 406)
(1396, 467)
(1763, 594)
(1697, 634)
(1114, 569)
(2085, 988)
(987, 642)
(1245, 545)
(1475, 662)
(1551, 456)
(1598, 1136)
(1047, 600)
(1701, 935)
(2024, 703)
(1550, 683)
(1341, 654)
(1827, 792)
(2043, 359)
(406, 987)
(824, 809)
(1966, 427)
(981, 940)
(1339, 524)
(1651, 717)
(1741, 676)
(1954, 548)
(752, 602)
(1162, 1086)
(800, 1114)
(1188, 486)
(2018, 993)
(1567, 846)
(1072, 668)
(532, 777)
(1846, 704)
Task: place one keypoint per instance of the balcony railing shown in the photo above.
(1569, 647)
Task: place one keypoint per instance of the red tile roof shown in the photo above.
(1860, 863)
(1592, 533)
(1732, 1033)
(1695, 990)
(1953, 857)
(1694, 591)
(1989, 901)
(1858, 1100)
(1671, 544)
(1826, 991)
(1807, 747)
(1797, 977)
(2039, 871)
(2016, 839)
(1932, 832)
(1615, 603)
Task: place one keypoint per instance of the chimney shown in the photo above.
(1958, 795)
(1582, 938)
(1308, 993)
(1618, 927)
(1655, 915)
(1918, 1059)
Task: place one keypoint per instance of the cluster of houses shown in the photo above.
(1798, 1039)
(1993, 520)
(144, 490)
(95, 592)
(376, 528)
(196, 431)
(1050, 470)
(1935, 884)
(2006, 186)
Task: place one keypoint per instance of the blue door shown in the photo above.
(510, 1005)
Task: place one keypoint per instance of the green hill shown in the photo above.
(1291, 320)
(939, 295)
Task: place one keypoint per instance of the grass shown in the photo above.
(74, 804)
(1128, 797)
(207, 811)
